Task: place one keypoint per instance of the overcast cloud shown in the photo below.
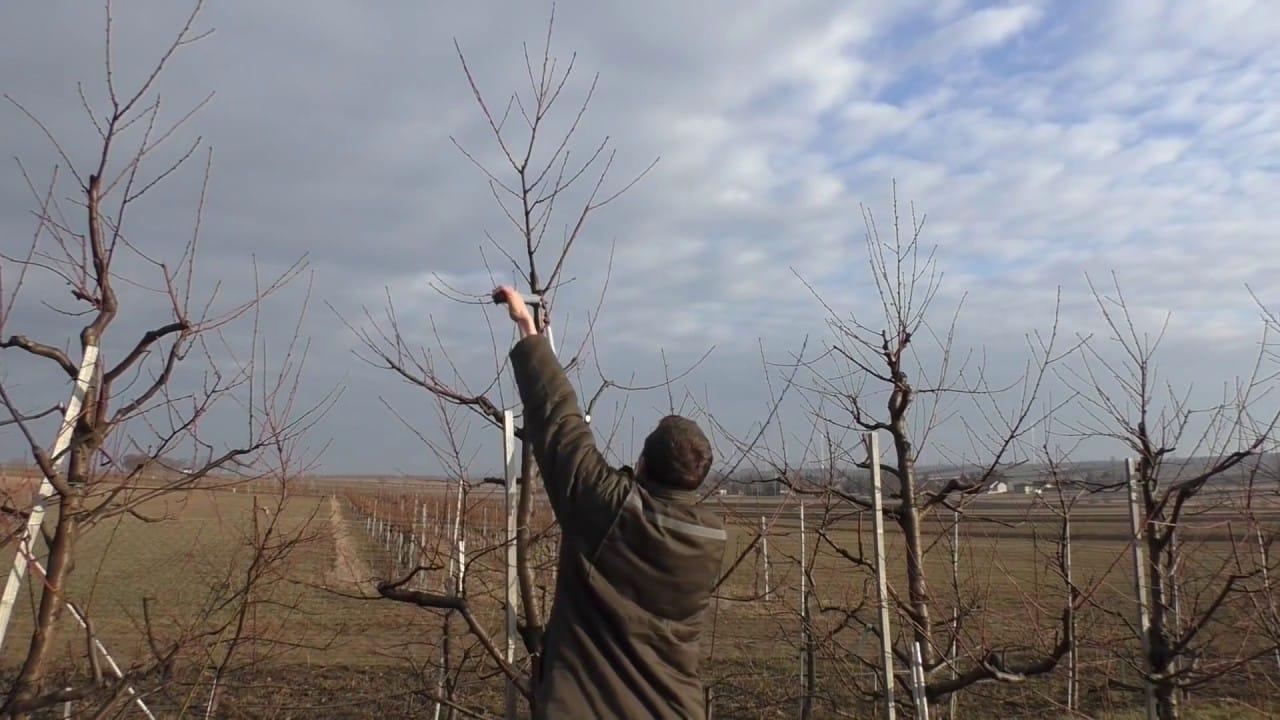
(1044, 140)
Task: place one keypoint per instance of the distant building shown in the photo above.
(998, 487)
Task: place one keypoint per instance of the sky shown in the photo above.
(1046, 143)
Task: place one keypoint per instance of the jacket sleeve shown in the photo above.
(586, 494)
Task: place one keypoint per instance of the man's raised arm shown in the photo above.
(573, 470)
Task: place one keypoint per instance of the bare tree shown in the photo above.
(538, 176)
(904, 361)
(1194, 471)
(135, 401)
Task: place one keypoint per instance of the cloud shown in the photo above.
(990, 27)
(1042, 140)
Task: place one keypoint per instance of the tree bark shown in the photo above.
(909, 521)
(28, 684)
(524, 510)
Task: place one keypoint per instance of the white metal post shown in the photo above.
(25, 555)
(460, 541)
(882, 580)
(421, 540)
(804, 629)
(1172, 577)
(764, 556)
(452, 584)
(806, 651)
(26, 543)
(1266, 582)
(1137, 523)
(954, 700)
(1073, 656)
(917, 683)
(513, 500)
(102, 649)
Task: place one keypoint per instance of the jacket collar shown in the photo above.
(662, 492)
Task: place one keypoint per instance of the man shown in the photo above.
(638, 555)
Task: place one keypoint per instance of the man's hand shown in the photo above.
(516, 308)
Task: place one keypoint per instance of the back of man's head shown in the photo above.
(676, 454)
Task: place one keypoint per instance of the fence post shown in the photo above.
(423, 581)
(1266, 583)
(917, 683)
(882, 580)
(1137, 523)
(452, 586)
(954, 701)
(1073, 657)
(1175, 568)
(27, 541)
(807, 673)
(83, 622)
(460, 540)
(513, 500)
(764, 558)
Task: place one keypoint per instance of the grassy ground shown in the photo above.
(178, 565)
(328, 655)
(183, 569)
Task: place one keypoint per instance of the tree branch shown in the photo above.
(42, 350)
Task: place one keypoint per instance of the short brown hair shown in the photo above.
(677, 454)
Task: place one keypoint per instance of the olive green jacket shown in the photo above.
(637, 565)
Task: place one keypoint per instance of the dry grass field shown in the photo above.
(322, 650)
(1007, 549)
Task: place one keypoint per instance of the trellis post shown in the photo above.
(26, 542)
(1073, 654)
(1137, 524)
(920, 699)
(764, 558)
(807, 674)
(882, 580)
(954, 700)
(512, 503)
(1266, 582)
(25, 554)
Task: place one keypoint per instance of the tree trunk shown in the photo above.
(1166, 701)
(524, 518)
(909, 521)
(1160, 660)
(28, 684)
